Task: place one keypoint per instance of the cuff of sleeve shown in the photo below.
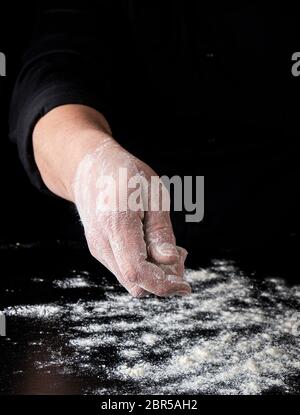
(40, 105)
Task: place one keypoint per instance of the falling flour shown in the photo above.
(233, 335)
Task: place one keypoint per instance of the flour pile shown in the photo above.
(233, 335)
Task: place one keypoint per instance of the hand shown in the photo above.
(136, 245)
(75, 153)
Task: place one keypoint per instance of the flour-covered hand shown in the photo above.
(117, 197)
(135, 244)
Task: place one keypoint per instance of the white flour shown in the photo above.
(233, 335)
(35, 311)
(150, 339)
(75, 282)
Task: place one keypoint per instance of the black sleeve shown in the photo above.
(68, 62)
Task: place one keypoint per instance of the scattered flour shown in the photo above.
(129, 353)
(43, 311)
(137, 371)
(78, 281)
(233, 335)
(150, 339)
(93, 341)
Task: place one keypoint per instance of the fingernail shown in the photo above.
(167, 249)
(184, 253)
(179, 293)
(185, 287)
(183, 293)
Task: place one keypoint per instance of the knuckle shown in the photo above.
(161, 233)
(118, 220)
(130, 275)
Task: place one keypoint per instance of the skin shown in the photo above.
(74, 149)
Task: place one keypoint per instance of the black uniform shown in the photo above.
(191, 87)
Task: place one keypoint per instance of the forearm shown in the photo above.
(61, 139)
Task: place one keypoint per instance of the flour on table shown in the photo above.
(233, 335)
(78, 280)
(149, 339)
(42, 311)
(137, 371)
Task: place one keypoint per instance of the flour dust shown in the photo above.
(233, 335)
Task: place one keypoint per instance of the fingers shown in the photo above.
(131, 287)
(100, 248)
(128, 245)
(176, 269)
(179, 267)
(160, 238)
(153, 279)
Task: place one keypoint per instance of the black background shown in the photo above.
(25, 213)
(265, 232)
(265, 220)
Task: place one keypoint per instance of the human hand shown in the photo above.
(75, 152)
(137, 245)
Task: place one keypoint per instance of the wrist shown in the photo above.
(61, 139)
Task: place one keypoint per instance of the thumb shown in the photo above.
(159, 237)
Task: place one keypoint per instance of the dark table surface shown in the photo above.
(36, 357)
